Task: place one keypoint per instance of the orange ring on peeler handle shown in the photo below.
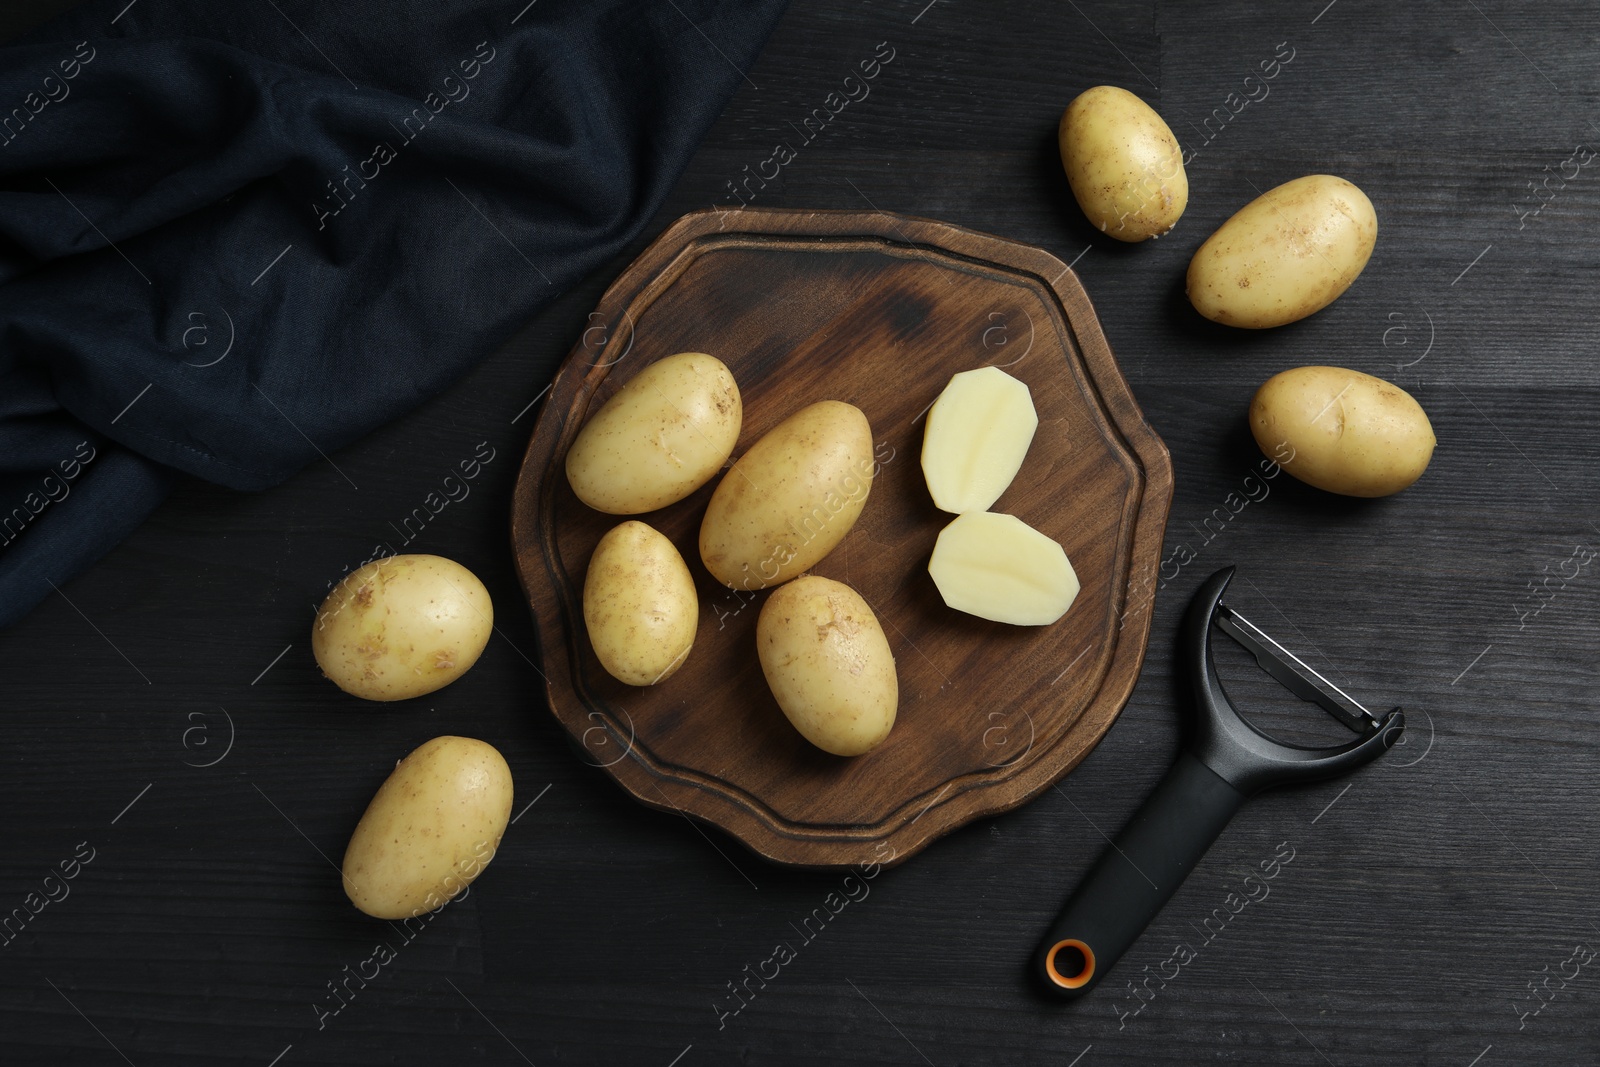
(1078, 980)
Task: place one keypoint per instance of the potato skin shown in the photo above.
(1123, 163)
(639, 605)
(790, 499)
(402, 627)
(662, 436)
(432, 827)
(828, 665)
(1342, 431)
(1288, 253)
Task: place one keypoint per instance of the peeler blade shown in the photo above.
(1296, 675)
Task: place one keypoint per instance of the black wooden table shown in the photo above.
(167, 732)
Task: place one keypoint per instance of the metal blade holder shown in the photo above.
(1226, 761)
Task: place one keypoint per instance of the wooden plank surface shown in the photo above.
(1425, 893)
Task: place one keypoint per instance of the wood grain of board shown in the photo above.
(876, 310)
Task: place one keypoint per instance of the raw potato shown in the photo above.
(788, 501)
(1342, 430)
(828, 664)
(998, 567)
(1287, 253)
(664, 435)
(401, 627)
(978, 432)
(1123, 164)
(432, 828)
(639, 605)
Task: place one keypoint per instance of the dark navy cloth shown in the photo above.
(235, 234)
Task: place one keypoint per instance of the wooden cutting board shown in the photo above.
(878, 310)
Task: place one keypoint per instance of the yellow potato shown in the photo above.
(1290, 252)
(828, 664)
(789, 500)
(1342, 430)
(662, 436)
(639, 605)
(401, 627)
(432, 828)
(977, 435)
(1123, 164)
(998, 567)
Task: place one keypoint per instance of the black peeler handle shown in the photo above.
(1136, 877)
(1227, 761)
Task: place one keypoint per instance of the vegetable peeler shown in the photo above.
(1226, 762)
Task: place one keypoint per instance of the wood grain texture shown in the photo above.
(1420, 903)
(876, 310)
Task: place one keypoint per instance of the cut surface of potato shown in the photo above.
(978, 432)
(998, 567)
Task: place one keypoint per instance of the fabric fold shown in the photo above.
(235, 236)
